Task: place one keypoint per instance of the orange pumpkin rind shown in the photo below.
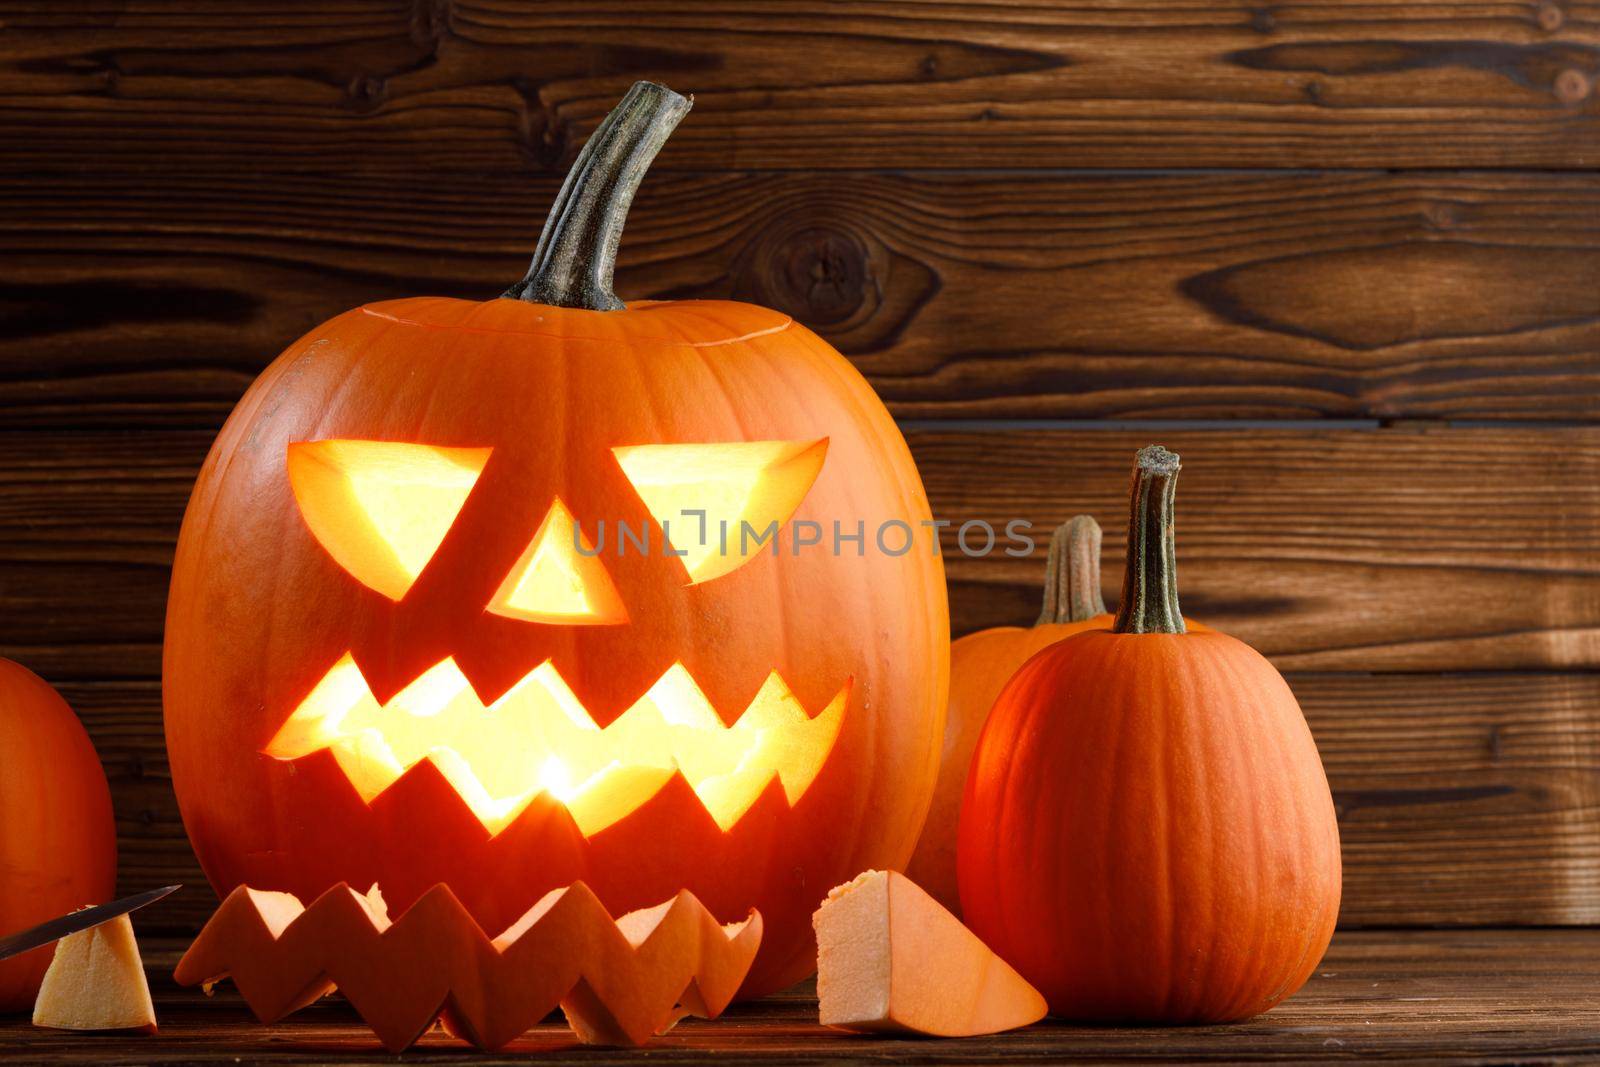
(618, 981)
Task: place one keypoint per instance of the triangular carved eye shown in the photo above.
(382, 508)
(704, 495)
(554, 582)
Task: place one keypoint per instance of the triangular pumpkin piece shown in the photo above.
(96, 982)
(890, 957)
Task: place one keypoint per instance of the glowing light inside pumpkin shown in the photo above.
(538, 738)
(382, 508)
(703, 493)
(553, 582)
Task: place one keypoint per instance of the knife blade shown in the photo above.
(72, 922)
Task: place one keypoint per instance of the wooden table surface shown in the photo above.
(1400, 996)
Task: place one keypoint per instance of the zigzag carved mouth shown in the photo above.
(538, 738)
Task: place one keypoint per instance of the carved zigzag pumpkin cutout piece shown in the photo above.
(618, 981)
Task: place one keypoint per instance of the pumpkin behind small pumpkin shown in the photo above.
(980, 665)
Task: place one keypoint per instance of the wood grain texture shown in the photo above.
(394, 87)
(1462, 800)
(138, 300)
(1402, 997)
(1399, 549)
(124, 721)
(1382, 550)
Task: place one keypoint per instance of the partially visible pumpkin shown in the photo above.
(1147, 833)
(58, 840)
(980, 665)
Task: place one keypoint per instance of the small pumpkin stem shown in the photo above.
(577, 253)
(1072, 573)
(1150, 584)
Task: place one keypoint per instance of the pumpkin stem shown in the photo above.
(1072, 573)
(1150, 582)
(577, 251)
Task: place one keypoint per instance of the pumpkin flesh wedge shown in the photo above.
(96, 982)
(891, 958)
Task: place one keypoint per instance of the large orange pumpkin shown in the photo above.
(413, 635)
(1147, 833)
(58, 840)
(980, 665)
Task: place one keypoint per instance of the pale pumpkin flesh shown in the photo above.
(96, 982)
(890, 958)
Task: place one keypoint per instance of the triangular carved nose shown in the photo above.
(559, 578)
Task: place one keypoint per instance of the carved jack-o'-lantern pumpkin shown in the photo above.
(452, 601)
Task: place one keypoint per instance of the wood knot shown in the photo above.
(430, 23)
(1573, 86)
(366, 91)
(818, 274)
(833, 273)
(1262, 20)
(1441, 216)
(1550, 16)
(542, 134)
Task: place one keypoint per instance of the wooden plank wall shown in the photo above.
(1344, 257)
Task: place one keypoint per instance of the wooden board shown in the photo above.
(382, 86)
(1392, 996)
(1397, 549)
(1463, 800)
(133, 300)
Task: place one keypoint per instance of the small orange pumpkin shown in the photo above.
(980, 665)
(1147, 833)
(58, 851)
